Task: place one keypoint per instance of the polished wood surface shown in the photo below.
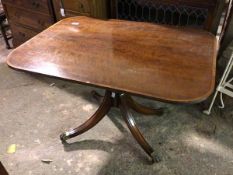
(28, 18)
(162, 62)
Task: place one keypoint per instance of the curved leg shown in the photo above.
(3, 170)
(134, 129)
(99, 98)
(91, 122)
(142, 109)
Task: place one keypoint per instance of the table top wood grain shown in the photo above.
(163, 62)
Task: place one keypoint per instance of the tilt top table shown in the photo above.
(161, 62)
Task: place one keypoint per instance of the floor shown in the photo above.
(34, 110)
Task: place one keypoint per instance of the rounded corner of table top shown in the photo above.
(203, 97)
(22, 59)
(9, 62)
(190, 100)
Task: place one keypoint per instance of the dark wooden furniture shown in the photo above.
(2, 170)
(195, 13)
(28, 18)
(4, 27)
(93, 8)
(174, 64)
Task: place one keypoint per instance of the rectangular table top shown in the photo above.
(163, 62)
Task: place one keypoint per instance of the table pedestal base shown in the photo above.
(124, 102)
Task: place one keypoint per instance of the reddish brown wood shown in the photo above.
(32, 20)
(22, 34)
(28, 17)
(40, 6)
(119, 100)
(133, 127)
(2, 170)
(142, 109)
(90, 123)
(162, 62)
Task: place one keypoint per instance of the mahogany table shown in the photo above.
(161, 62)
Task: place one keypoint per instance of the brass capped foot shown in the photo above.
(124, 102)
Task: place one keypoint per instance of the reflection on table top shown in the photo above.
(162, 62)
